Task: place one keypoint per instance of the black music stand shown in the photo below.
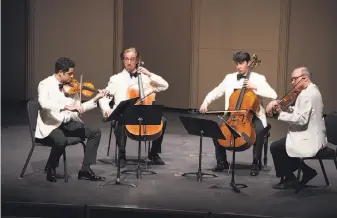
(117, 115)
(202, 128)
(142, 115)
(236, 186)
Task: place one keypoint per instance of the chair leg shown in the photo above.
(324, 173)
(83, 145)
(335, 160)
(108, 151)
(27, 160)
(265, 147)
(65, 166)
(298, 186)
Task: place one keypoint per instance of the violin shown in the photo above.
(146, 97)
(86, 89)
(243, 104)
(288, 99)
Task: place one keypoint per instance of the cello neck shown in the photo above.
(140, 84)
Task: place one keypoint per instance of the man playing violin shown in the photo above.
(234, 81)
(118, 87)
(306, 133)
(58, 118)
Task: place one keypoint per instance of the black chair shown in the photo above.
(325, 153)
(265, 146)
(32, 109)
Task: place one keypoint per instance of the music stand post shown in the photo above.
(202, 128)
(235, 186)
(116, 116)
(142, 115)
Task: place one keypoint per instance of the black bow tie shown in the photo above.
(60, 86)
(133, 75)
(240, 76)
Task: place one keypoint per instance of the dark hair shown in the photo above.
(64, 64)
(241, 56)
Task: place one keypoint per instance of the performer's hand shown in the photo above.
(101, 93)
(203, 108)
(277, 108)
(107, 113)
(271, 106)
(249, 85)
(144, 71)
(74, 108)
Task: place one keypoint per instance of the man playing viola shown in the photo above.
(118, 87)
(234, 81)
(306, 133)
(58, 119)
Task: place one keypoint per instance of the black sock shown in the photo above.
(85, 167)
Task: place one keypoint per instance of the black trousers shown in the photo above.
(220, 151)
(58, 138)
(121, 139)
(284, 165)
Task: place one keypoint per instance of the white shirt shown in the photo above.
(230, 83)
(118, 87)
(306, 133)
(52, 101)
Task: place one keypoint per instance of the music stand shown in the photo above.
(236, 186)
(116, 116)
(202, 128)
(142, 115)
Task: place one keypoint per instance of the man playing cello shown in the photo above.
(118, 87)
(260, 86)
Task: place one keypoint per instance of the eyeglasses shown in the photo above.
(295, 78)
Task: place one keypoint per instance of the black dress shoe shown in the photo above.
(155, 159)
(51, 174)
(254, 169)
(221, 166)
(287, 183)
(89, 175)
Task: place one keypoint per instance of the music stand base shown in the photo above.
(117, 182)
(107, 161)
(199, 175)
(235, 186)
(139, 171)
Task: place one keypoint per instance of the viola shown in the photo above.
(87, 89)
(243, 104)
(146, 97)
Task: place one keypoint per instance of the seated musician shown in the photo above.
(306, 133)
(58, 119)
(256, 82)
(118, 87)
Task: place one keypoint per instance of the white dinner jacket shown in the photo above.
(227, 86)
(52, 102)
(118, 86)
(306, 134)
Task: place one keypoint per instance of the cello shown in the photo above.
(146, 96)
(243, 104)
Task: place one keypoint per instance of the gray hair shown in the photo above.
(305, 71)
